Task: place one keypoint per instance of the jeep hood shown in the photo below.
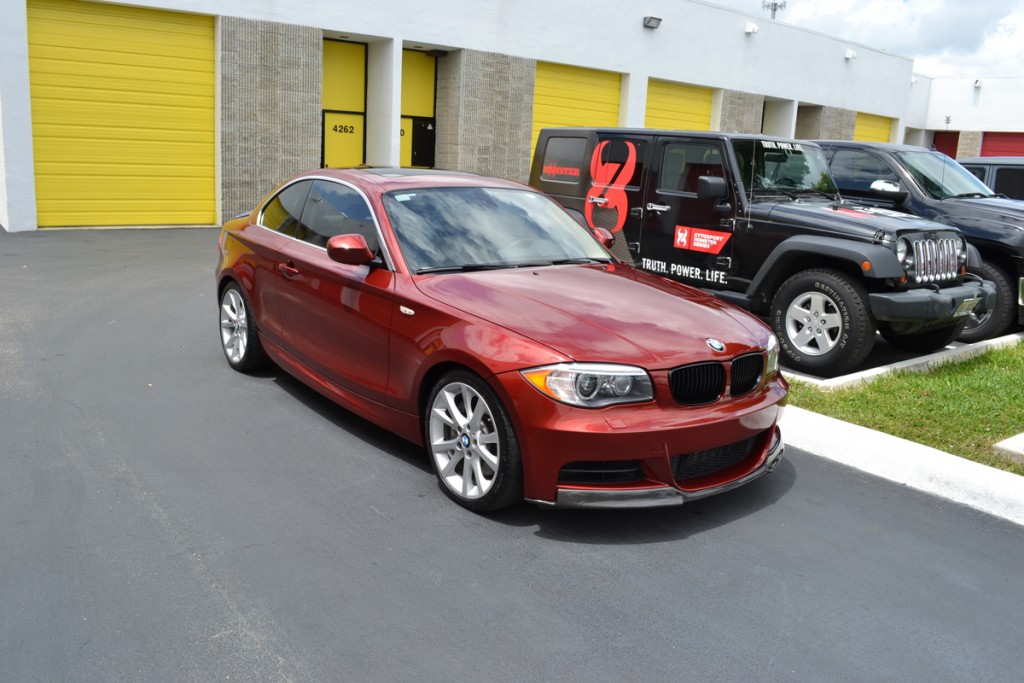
(858, 221)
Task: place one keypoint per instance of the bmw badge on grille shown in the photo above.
(715, 345)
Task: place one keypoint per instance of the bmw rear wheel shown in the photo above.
(238, 335)
(471, 444)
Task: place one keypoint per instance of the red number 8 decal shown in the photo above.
(610, 183)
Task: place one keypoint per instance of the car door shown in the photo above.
(854, 171)
(686, 237)
(338, 317)
(267, 239)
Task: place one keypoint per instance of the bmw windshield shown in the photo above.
(941, 177)
(459, 229)
(784, 169)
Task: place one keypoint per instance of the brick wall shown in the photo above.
(485, 113)
(742, 112)
(270, 107)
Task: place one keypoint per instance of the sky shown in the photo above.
(946, 38)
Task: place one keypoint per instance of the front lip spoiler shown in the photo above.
(661, 496)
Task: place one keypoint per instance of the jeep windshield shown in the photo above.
(783, 169)
(941, 177)
(466, 229)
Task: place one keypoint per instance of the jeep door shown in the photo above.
(686, 237)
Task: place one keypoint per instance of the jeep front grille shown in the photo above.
(936, 260)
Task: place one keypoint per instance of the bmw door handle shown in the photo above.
(288, 269)
(658, 208)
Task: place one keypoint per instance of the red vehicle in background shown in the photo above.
(475, 317)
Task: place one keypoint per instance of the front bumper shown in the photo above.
(928, 306)
(658, 496)
(642, 455)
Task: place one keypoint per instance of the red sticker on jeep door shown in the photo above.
(700, 239)
(609, 190)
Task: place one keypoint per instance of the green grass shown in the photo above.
(961, 408)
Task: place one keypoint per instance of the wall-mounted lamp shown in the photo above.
(977, 83)
(652, 22)
(850, 54)
(913, 80)
(751, 27)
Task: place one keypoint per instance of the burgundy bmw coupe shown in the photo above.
(475, 317)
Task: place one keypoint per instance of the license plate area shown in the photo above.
(966, 306)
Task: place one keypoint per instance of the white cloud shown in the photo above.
(966, 38)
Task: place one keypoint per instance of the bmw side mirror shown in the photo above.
(350, 250)
(605, 237)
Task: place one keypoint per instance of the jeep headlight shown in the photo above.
(592, 385)
(902, 249)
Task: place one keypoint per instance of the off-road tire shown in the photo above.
(826, 296)
(997, 321)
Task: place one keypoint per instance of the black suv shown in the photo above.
(758, 221)
(926, 183)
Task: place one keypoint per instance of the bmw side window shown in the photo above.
(282, 212)
(855, 171)
(336, 209)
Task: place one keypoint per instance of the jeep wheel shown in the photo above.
(998, 320)
(924, 342)
(823, 322)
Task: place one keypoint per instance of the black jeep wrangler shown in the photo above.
(758, 222)
(929, 184)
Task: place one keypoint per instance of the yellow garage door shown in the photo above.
(570, 96)
(675, 106)
(871, 128)
(344, 103)
(122, 115)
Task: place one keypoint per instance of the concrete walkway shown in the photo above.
(920, 467)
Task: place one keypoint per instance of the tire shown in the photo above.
(924, 342)
(841, 303)
(998, 320)
(238, 336)
(471, 444)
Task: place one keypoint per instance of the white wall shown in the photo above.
(995, 105)
(17, 174)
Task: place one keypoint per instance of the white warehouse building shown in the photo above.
(186, 112)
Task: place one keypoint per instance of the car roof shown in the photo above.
(880, 146)
(713, 135)
(1001, 161)
(388, 179)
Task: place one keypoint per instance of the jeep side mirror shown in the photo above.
(889, 190)
(713, 187)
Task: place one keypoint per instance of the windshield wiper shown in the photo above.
(816, 191)
(581, 259)
(970, 195)
(773, 192)
(465, 268)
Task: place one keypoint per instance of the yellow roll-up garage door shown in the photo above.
(570, 96)
(675, 106)
(871, 128)
(122, 115)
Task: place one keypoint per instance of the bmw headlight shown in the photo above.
(592, 385)
(771, 361)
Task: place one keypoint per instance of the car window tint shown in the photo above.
(475, 226)
(855, 171)
(683, 163)
(336, 209)
(282, 212)
(1010, 181)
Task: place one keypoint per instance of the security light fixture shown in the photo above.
(751, 27)
(652, 22)
(850, 54)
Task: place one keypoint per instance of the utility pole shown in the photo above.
(773, 6)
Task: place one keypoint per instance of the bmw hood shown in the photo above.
(603, 313)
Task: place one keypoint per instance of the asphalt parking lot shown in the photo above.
(165, 518)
